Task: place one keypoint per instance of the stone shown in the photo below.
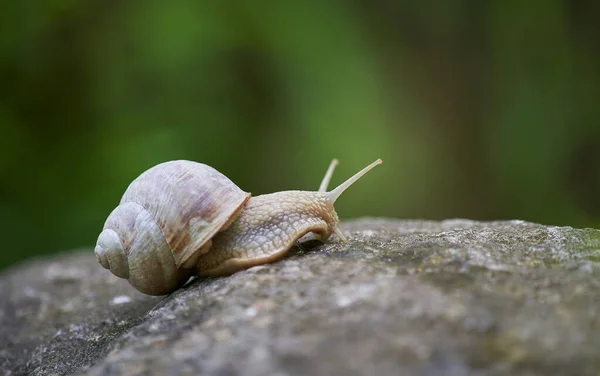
(456, 297)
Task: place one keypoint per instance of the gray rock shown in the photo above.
(455, 297)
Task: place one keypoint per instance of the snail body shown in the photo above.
(181, 218)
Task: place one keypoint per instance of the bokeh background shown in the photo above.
(479, 109)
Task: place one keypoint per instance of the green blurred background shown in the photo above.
(479, 109)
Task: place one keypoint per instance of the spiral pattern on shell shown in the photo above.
(165, 220)
(132, 247)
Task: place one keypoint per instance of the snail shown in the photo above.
(180, 219)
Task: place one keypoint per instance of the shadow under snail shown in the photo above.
(182, 218)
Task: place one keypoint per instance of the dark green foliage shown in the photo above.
(485, 110)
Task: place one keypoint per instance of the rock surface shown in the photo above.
(455, 297)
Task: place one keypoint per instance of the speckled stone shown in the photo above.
(456, 297)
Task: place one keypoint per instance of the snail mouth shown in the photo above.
(232, 265)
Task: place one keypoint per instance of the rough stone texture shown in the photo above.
(401, 297)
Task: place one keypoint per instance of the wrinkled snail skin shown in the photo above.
(183, 218)
(267, 227)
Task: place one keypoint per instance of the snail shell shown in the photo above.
(164, 222)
